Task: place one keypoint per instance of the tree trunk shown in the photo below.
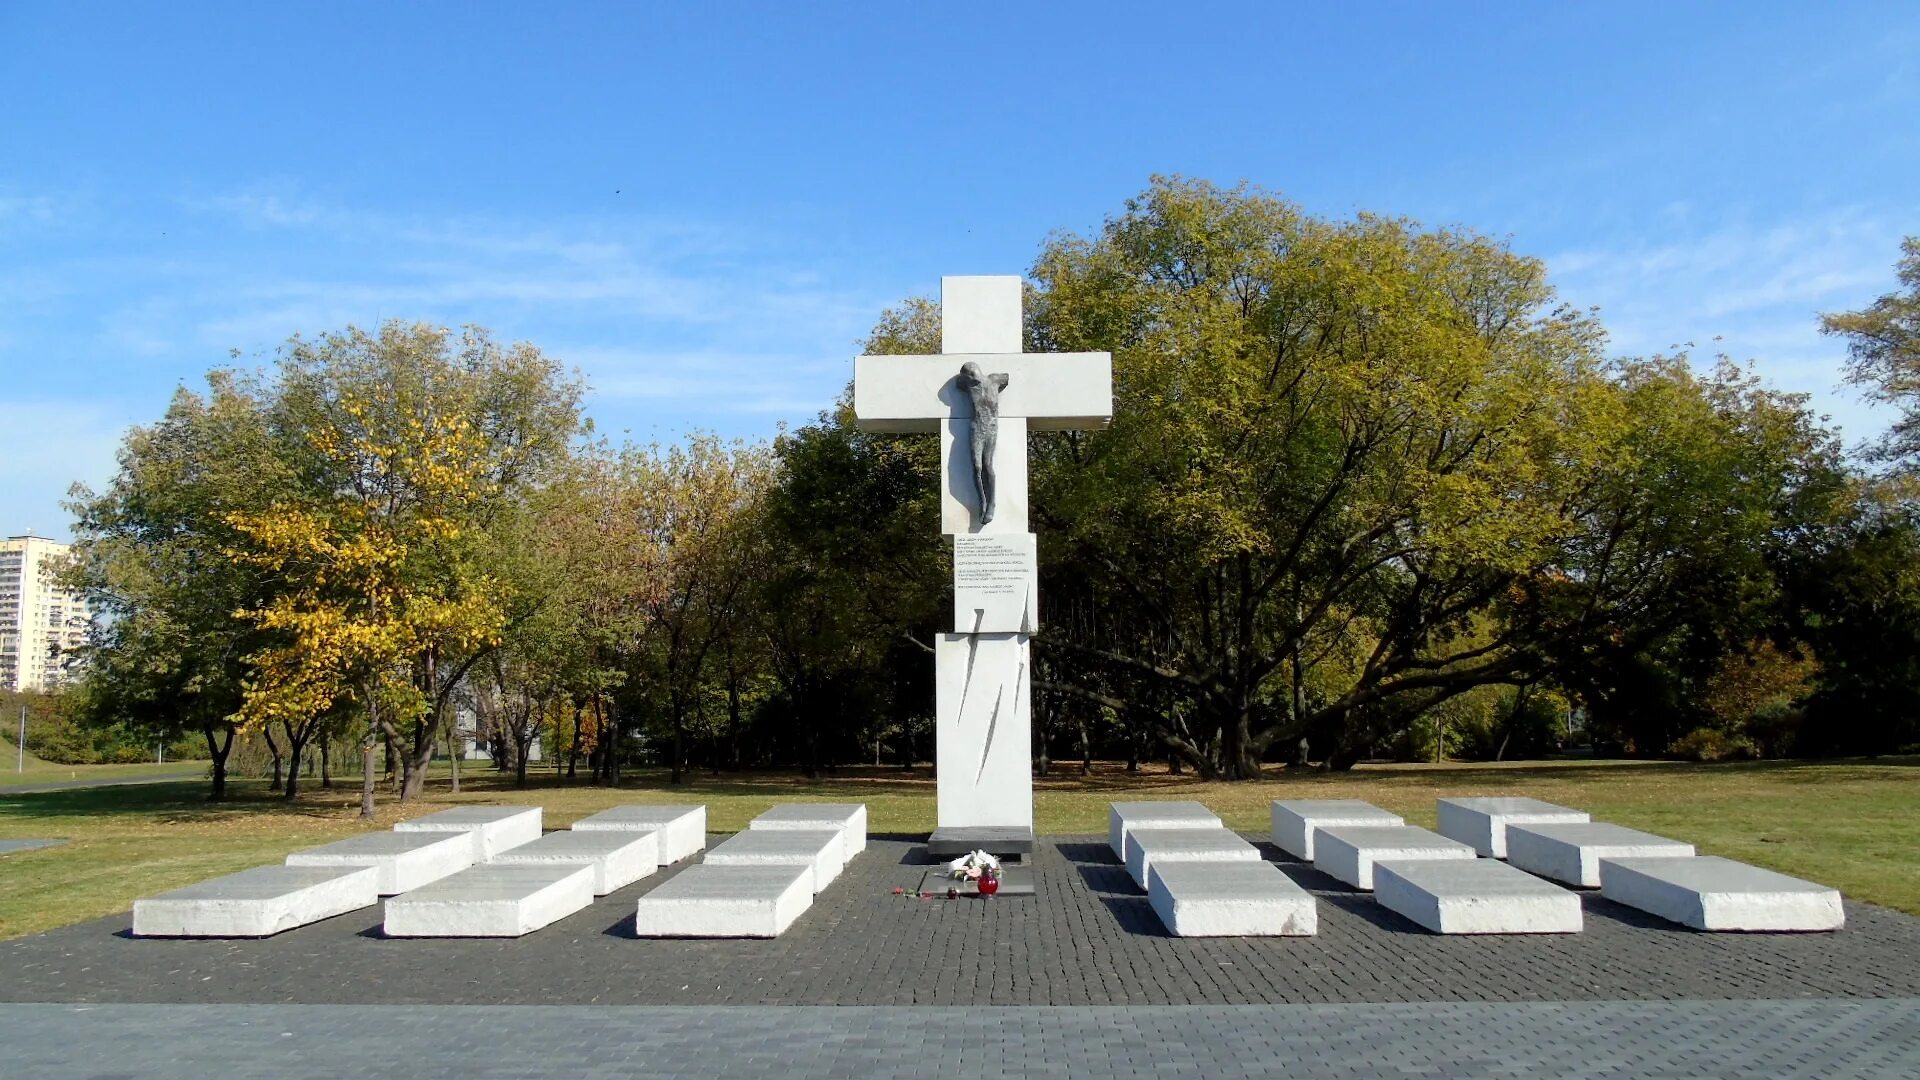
(679, 737)
(734, 722)
(326, 762)
(296, 742)
(217, 751)
(1086, 746)
(293, 773)
(520, 760)
(274, 749)
(573, 745)
(609, 741)
(366, 777)
(415, 760)
(455, 748)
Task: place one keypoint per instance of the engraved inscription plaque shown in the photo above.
(995, 578)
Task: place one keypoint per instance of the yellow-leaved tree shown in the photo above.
(417, 447)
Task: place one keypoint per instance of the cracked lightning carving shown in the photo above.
(993, 721)
(973, 650)
(986, 747)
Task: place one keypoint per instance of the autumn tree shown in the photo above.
(856, 580)
(697, 515)
(1883, 346)
(1334, 445)
(167, 653)
(417, 443)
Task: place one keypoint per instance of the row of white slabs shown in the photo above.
(1442, 882)
(479, 871)
(1201, 878)
(756, 883)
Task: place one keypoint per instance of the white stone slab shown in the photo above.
(259, 902)
(1710, 893)
(1147, 847)
(1571, 851)
(850, 818)
(404, 860)
(495, 828)
(1051, 391)
(819, 850)
(1483, 822)
(1474, 896)
(1348, 852)
(1296, 820)
(682, 829)
(980, 313)
(984, 737)
(1123, 817)
(725, 901)
(491, 900)
(996, 584)
(1230, 899)
(618, 859)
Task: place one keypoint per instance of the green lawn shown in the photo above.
(1854, 825)
(38, 771)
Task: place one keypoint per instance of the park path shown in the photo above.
(1775, 1039)
(42, 786)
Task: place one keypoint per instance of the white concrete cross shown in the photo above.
(983, 690)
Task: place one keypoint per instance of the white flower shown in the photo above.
(972, 865)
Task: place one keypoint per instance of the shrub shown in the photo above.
(1709, 744)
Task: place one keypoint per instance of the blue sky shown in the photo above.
(704, 206)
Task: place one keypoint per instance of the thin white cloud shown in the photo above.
(1752, 292)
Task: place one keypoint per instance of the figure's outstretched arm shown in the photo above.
(999, 381)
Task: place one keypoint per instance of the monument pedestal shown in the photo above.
(1001, 841)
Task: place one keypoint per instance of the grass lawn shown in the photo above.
(38, 771)
(1854, 825)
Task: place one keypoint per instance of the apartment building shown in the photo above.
(40, 622)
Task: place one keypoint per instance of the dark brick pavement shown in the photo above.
(1814, 1039)
(1088, 938)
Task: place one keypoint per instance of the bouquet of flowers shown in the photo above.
(974, 866)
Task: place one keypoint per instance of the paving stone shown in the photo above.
(618, 859)
(1296, 820)
(1483, 821)
(708, 901)
(683, 828)
(1571, 852)
(1089, 937)
(1161, 814)
(1148, 846)
(1229, 899)
(494, 828)
(1348, 852)
(491, 900)
(1474, 896)
(1707, 892)
(821, 851)
(1795, 1040)
(8, 847)
(405, 860)
(849, 817)
(259, 902)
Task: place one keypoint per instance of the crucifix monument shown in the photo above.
(982, 395)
